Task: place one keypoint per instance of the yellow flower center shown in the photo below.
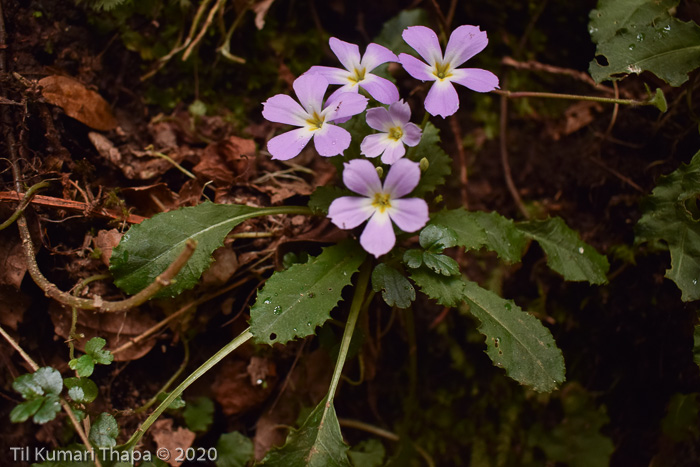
(358, 76)
(315, 122)
(395, 133)
(442, 70)
(381, 202)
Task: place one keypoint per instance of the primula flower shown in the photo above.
(396, 131)
(380, 204)
(313, 118)
(357, 70)
(464, 43)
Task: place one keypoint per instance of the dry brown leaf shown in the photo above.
(224, 266)
(227, 161)
(106, 240)
(174, 441)
(78, 102)
(234, 391)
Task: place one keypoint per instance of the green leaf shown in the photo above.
(48, 409)
(323, 196)
(294, 301)
(413, 258)
(566, 253)
(640, 35)
(680, 422)
(104, 431)
(27, 387)
(84, 365)
(440, 164)
(49, 379)
(177, 403)
(476, 229)
(441, 264)
(390, 36)
(199, 414)
(516, 341)
(317, 443)
(234, 450)
(147, 249)
(368, 453)
(396, 289)
(26, 409)
(669, 214)
(446, 290)
(437, 237)
(94, 348)
(82, 390)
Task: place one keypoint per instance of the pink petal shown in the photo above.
(475, 79)
(345, 104)
(331, 140)
(310, 89)
(394, 152)
(332, 75)
(375, 55)
(409, 214)
(378, 237)
(361, 177)
(411, 134)
(425, 42)
(400, 112)
(464, 43)
(283, 109)
(416, 68)
(374, 145)
(402, 178)
(380, 88)
(379, 119)
(442, 99)
(289, 144)
(347, 53)
(347, 212)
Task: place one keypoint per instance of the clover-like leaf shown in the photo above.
(199, 414)
(83, 365)
(234, 450)
(48, 409)
(82, 390)
(413, 258)
(26, 409)
(396, 289)
(27, 387)
(294, 301)
(94, 348)
(436, 238)
(104, 431)
(49, 379)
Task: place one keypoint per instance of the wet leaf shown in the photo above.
(515, 340)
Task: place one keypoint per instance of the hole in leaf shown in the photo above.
(273, 336)
(601, 60)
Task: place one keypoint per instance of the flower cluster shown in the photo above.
(382, 205)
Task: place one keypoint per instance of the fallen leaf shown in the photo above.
(227, 161)
(106, 240)
(78, 102)
(222, 269)
(234, 391)
(175, 441)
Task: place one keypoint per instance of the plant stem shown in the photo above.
(23, 204)
(357, 299)
(575, 97)
(206, 366)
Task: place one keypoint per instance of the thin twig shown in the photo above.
(504, 158)
(461, 159)
(23, 204)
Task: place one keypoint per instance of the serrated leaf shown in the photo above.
(476, 229)
(390, 36)
(83, 365)
(437, 237)
(199, 414)
(147, 249)
(323, 196)
(440, 264)
(668, 216)
(317, 443)
(104, 431)
(234, 450)
(368, 453)
(396, 289)
(49, 379)
(566, 253)
(94, 348)
(446, 290)
(48, 409)
(413, 258)
(516, 341)
(641, 35)
(27, 387)
(440, 164)
(82, 390)
(26, 409)
(294, 301)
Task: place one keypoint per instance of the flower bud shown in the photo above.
(424, 164)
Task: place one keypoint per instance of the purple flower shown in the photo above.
(357, 70)
(396, 131)
(464, 43)
(313, 118)
(380, 204)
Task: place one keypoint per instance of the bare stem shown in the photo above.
(23, 204)
(574, 97)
